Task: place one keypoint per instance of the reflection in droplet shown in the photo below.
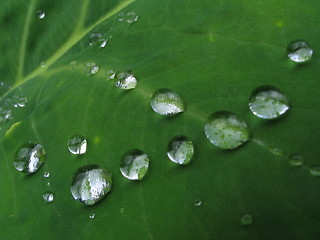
(226, 130)
(77, 144)
(166, 102)
(299, 51)
(125, 80)
(268, 103)
(90, 184)
(246, 219)
(315, 171)
(134, 164)
(29, 158)
(198, 203)
(5, 115)
(48, 197)
(46, 174)
(92, 68)
(296, 160)
(180, 150)
(92, 215)
(41, 14)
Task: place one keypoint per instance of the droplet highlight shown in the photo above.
(226, 130)
(246, 219)
(180, 150)
(29, 158)
(125, 80)
(48, 197)
(299, 51)
(268, 103)
(77, 144)
(90, 184)
(134, 164)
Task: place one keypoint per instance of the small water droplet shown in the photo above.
(92, 68)
(90, 184)
(131, 17)
(246, 219)
(125, 80)
(276, 151)
(166, 102)
(110, 74)
(121, 210)
(296, 160)
(5, 115)
(19, 101)
(226, 130)
(299, 51)
(134, 164)
(315, 171)
(180, 150)
(42, 64)
(268, 103)
(92, 215)
(77, 144)
(46, 174)
(48, 197)
(41, 14)
(121, 16)
(29, 158)
(198, 203)
(74, 64)
(100, 39)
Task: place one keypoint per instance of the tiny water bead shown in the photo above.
(74, 64)
(90, 184)
(299, 51)
(226, 130)
(92, 215)
(42, 64)
(46, 174)
(77, 144)
(48, 197)
(129, 17)
(19, 101)
(100, 39)
(134, 164)
(268, 102)
(29, 158)
(296, 160)
(5, 115)
(110, 74)
(91, 68)
(315, 171)
(246, 219)
(180, 150)
(198, 203)
(40, 14)
(125, 80)
(167, 102)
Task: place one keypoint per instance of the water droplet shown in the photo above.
(198, 203)
(74, 64)
(42, 64)
(246, 219)
(46, 174)
(315, 171)
(48, 184)
(92, 68)
(41, 14)
(19, 101)
(92, 215)
(29, 158)
(125, 80)
(77, 144)
(134, 164)
(110, 74)
(131, 17)
(121, 16)
(100, 39)
(276, 151)
(180, 150)
(90, 184)
(167, 103)
(299, 51)
(5, 115)
(48, 197)
(268, 103)
(121, 210)
(226, 130)
(296, 160)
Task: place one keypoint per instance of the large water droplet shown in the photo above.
(166, 102)
(41, 14)
(92, 68)
(90, 184)
(100, 39)
(180, 150)
(134, 164)
(296, 160)
(29, 158)
(92, 215)
(19, 101)
(246, 219)
(268, 103)
(125, 80)
(226, 130)
(315, 171)
(77, 144)
(299, 51)
(48, 197)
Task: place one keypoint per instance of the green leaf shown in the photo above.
(213, 54)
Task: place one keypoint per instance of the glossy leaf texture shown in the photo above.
(213, 54)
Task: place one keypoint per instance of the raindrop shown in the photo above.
(74, 64)
(42, 64)
(226, 130)
(315, 171)
(46, 174)
(5, 115)
(110, 74)
(296, 160)
(41, 14)
(91, 68)
(125, 80)
(29, 158)
(246, 219)
(180, 150)
(92, 215)
(166, 102)
(19, 101)
(268, 103)
(134, 164)
(48, 197)
(198, 203)
(100, 39)
(131, 17)
(121, 16)
(90, 184)
(299, 51)
(77, 144)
